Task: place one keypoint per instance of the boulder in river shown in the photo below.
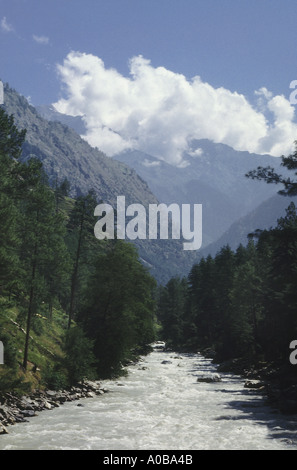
(3, 429)
(209, 378)
(158, 345)
(255, 384)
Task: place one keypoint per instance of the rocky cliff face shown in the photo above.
(65, 154)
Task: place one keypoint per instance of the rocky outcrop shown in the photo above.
(15, 409)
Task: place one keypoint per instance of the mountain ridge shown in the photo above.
(264, 217)
(216, 179)
(73, 157)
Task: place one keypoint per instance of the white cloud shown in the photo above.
(41, 39)
(5, 26)
(148, 163)
(159, 112)
(196, 153)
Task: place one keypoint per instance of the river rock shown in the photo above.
(209, 378)
(92, 386)
(15, 409)
(61, 397)
(28, 413)
(25, 403)
(3, 429)
(47, 405)
(166, 362)
(254, 384)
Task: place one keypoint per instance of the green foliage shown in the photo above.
(10, 380)
(11, 139)
(171, 311)
(280, 302)
(269, 175)
(10, 184)
(118, 312)
(55, 377)
(79, 359)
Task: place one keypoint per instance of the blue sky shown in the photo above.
(242, 45)
(239, 45)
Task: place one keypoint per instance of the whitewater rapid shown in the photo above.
(161, 406)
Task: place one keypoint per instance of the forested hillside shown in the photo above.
(71, 306)
(240, 303)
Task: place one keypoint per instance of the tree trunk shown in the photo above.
(74, 275)
(30, 309)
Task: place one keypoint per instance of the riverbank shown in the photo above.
(276, 382)
(16, 409)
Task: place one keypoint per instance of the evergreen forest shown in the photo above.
(71, 307)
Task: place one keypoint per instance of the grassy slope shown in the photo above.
(45, 347)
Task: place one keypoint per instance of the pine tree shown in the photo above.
(269, 175)
(82, 244)
(11, 141)
(246, 310)
(202, 295)
(281, 301)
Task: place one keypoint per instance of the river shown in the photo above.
(161, 406)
